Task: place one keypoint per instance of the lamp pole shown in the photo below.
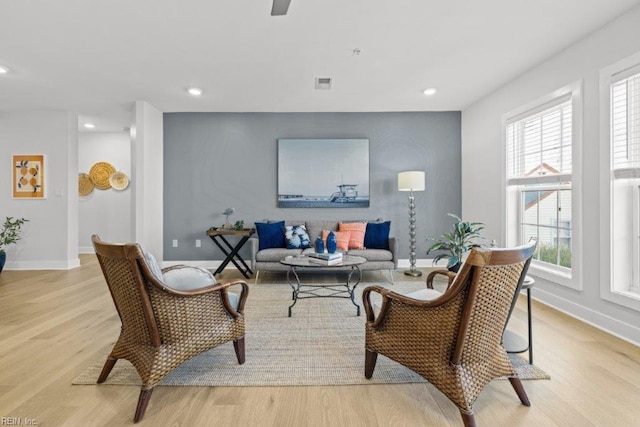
(412, 238)
(412, 181)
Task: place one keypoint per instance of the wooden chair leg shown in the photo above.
(106, 369)
(238, 345)
(519, 388)
(143, 401)
(370, 358)
(468, 419)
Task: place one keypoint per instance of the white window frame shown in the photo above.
(571, 278)
(609, 289)
(634, 286)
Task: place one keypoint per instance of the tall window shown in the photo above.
(539, 181)
(625, 165)
(625, 125)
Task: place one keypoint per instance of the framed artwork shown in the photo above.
(28, 176)
(323, 173)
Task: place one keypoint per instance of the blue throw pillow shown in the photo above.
(270, 235)
(377, 235)
(297, 237)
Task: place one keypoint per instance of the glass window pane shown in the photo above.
(547, 248)
(548, 210)
(530, 202)
(565, 254)
(552, 160)
(564, 208)
(528, 232)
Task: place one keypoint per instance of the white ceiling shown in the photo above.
(98, 57)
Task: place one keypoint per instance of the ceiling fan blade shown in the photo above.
(280, 7)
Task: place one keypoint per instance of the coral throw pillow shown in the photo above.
(357, 230)
(341, 236)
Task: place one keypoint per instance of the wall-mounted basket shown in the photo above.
(100, 174)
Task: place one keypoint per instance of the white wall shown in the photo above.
(105, 212)
(51, 235)
(482, 191)
(147, 172)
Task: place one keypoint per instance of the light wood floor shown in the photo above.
(53, 324)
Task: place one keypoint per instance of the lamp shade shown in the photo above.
(411, 181)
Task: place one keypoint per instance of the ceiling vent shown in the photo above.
(323, 83)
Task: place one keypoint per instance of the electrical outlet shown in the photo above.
(198, 244)
(175, 243)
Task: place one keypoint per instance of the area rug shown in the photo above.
(321, 344)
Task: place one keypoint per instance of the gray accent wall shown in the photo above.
(213, 161)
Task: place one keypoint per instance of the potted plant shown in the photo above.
(9, 233)
(454, 244)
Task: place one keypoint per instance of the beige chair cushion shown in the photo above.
(425, 294)
(191, 278)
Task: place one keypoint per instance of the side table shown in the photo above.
(514, 343)
(230, 251)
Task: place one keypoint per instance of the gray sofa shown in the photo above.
(269, 259)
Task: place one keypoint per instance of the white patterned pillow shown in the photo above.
(296, 237)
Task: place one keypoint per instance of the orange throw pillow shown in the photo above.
(342, 237)
(357, 230)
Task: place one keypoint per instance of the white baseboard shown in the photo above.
(86, 250)
(43, 265)
(422, 263)
(622, 330)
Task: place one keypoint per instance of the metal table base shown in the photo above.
(321, 290)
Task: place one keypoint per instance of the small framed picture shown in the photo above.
(28, 176)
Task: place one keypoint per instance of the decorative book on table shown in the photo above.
(326, 256)
(321, 261)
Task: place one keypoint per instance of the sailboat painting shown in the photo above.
(323, 173)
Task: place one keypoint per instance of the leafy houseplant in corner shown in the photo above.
(455, 243)
(10, 233)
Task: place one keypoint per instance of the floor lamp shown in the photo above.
(411, 181)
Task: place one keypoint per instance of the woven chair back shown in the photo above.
(122, 269)
(496, 277)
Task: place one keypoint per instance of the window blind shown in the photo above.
(625, 126)
(539, 146)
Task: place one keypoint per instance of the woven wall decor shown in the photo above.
(100, 173)
(119, 180)
(85, 185)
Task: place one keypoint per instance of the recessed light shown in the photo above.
(195, 91)
(429, 91)
(3, 69)
(89, 125)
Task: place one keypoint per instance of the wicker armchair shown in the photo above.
(162, 327)
(455, 340)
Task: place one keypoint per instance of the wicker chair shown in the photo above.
(454, 340)
(162, 327)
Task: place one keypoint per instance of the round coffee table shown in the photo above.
(323, 290)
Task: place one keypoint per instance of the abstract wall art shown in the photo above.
(28, 176)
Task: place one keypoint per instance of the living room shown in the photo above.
(189, 161)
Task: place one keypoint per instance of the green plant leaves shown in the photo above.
(11, 231)
(457, 242)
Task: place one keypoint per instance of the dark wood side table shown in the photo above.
(514, 343)
(230, 251)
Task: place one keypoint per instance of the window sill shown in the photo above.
(627, 299)
(554, 276)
